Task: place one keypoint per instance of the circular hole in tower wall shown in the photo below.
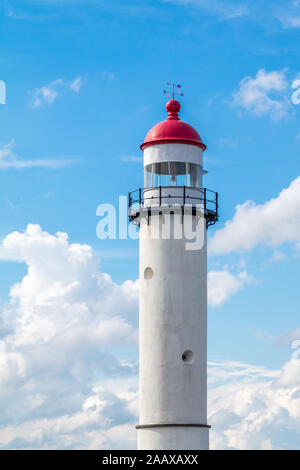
(148, 274)
(188, 356)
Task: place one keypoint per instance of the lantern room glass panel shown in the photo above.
(173, 174)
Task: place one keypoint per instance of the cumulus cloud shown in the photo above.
(264, 94)
(9, 160)
(223, 284)
(252, 407)
(273, 223)
(103, 420)
(59, 334)
(47, 94)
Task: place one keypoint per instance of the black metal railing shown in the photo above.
(209, 200)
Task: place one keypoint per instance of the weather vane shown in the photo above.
(176, 90)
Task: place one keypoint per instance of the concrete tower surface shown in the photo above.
(173, 211)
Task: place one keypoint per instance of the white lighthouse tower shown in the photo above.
(173, 287)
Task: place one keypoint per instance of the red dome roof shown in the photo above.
(172, 130)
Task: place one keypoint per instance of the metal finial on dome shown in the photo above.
(176, 90)
(173, 108)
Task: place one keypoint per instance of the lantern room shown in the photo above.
(173, 159)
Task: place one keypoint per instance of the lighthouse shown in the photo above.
(172, 206)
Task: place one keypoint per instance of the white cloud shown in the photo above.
(104, 420)
(9, 160)
(223, 284)
(273, 223)
(251, 407)
(227, 10)
(264, 94)
(63, 278)
(59, 334)
(47, 94)
(64, 380)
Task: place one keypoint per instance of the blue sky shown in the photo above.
(84, 85)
